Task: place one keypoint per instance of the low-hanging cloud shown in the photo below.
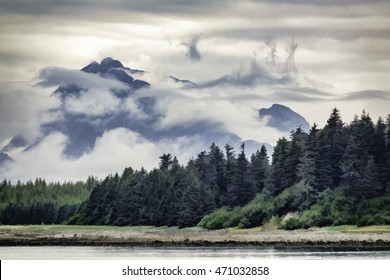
(113, 151)
(295, 96)
(252, 75)
(93, 103)
(22, 110)
(193, 52)
(366, 95)
(55, 76)
(230, 111)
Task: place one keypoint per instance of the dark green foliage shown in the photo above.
(385, 166)
(376, 211)
(333, 208)
(292, 224)
(333, 140)
(255, 213)
(297, 144)
(360, 172)
(259, 169)
(171, 196)
(221, 218)
(274, 183)
(332, 176)
(309, 163)
(241, 190)
(291, 199)
(41, 203)
(357, 156)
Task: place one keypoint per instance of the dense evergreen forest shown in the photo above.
(42, 203)
(336, 175)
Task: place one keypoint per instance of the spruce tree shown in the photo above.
(289, 175)
(360, 173)
(333, 140)
(310, 172)
(241, 191)
(379, 150)
(274, 181)
(259, 169)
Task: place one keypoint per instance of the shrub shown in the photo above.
(255, 213)
(292, 224)
(215, 220)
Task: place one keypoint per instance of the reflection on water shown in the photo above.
(88, 253)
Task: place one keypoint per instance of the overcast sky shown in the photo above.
(342, 57)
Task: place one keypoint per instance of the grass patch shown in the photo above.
(268, 227)
(82, 228)
(349, 228)
(244, 230)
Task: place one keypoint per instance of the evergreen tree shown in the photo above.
(165, 161)
(308, 167)
(358, 165)
(379, 150)
(333, 142)
(259, 169)
(385, 170)
(290, 170)
(241, 191)
(217, 162)
(274, 181)
(230, 167)
(368, 182)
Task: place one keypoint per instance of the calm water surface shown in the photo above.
(95, 253)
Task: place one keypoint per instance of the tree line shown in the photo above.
(334, 175)
(40, 202)
(339, 174)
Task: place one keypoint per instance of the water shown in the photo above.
(125, 253)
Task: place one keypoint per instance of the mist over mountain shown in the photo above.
(107, 105)
(4, 158)
(17, 141)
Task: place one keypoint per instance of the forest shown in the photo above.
(336, 175)
(42, 203)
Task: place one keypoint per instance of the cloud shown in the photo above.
(113, 151)
(343, 43)
(192, 49)
(97, 7)
(302, 94)
(22, 109)
(366, 95)
(249, 76)
(92, 103)
(294, 96)
(55, 76)
(226, 111)
(323, 2)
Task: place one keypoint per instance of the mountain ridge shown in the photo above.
(283, 118)
(83, 128)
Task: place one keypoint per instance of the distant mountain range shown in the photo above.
(83, 127)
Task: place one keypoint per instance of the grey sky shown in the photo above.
(342, 60)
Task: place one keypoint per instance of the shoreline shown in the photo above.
(24, 236)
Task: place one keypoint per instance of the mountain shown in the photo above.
(97, 101)
(283, 118)
(180, 81)
(4, 158)
(16, 142)
(83, 127)
(110, 69)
